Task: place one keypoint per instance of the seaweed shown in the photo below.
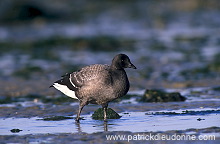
(186, 112)
(161, 96)
(56, 118)
(111, 114)
(6, 100)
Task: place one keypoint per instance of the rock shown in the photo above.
(15, 130)
(161, 96)
(111, 114)
(199, 119)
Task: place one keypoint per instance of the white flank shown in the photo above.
(71, 81)
(64, 89)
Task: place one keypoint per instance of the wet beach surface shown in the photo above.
(34, 119)
(174, 45)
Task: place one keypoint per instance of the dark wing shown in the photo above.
(66, 81)
(89, 73)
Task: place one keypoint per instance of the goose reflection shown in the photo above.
(79, 128)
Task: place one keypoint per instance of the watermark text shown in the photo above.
(159, 136)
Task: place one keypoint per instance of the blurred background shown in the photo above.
(173, 43)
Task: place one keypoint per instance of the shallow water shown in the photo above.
(143, 123)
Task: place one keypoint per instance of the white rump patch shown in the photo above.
(64, 89)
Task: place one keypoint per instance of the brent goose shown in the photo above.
(97, 84)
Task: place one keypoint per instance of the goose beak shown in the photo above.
(131, 66)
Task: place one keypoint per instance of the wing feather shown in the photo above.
(89, 73)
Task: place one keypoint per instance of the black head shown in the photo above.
(121, 61)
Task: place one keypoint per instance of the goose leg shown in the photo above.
(105, 111)
(81, 105)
